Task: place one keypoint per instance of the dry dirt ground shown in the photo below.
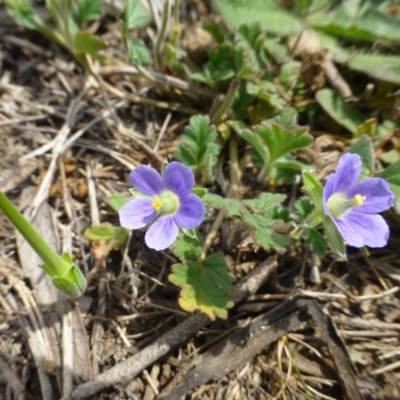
(67, 142)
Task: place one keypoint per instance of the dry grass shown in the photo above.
(67, 142)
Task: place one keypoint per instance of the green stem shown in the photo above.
(215, 119)
(176, 31)
(264, 173)
(52, 260)
(298, 373)
(161, 36)
(296, 234)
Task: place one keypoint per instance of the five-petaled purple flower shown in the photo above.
(167, 204)
(353, 207)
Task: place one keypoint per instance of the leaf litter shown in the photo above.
(288, 335)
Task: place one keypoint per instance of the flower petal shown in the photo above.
(137, 213)
(328, 191)
(360, 229)
(191, 212)
(347, 172)
(162, 233)
(147, 180)
(378, 195)
(178, 178)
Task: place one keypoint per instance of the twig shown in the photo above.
(376, 272)
(162, 131)
(124, 372)
(386, 368)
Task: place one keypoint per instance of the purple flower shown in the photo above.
(353, 207)
(166, 203)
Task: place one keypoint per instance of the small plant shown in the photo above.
(198, 149)
(65, 275)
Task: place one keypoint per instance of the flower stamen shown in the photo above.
(157, 204)
(359, 200)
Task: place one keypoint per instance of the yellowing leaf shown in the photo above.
(205, 285)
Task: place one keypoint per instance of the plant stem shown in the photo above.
(264, 173)
(215, 119)
(161, 36)
(52, 260)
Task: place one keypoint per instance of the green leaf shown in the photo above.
(117, 201)
(364, 148)
(265, 12)
(87, 43)
(289, 75)
(255, 214)
(252, 39)
(188, 248)
(265, 202)
(22, 12)
(231, 206)
(100, 232)
(199, 191)
(138, 52)
(263, 232)
(135, 15)
(224, 63)
(343, 113)
(314, 189)
(73, 284)
(368, 23)
(368, 127)
(392, 175)
(382, 67)
(316, 241)
(205, 286)
(334, 237)
(303, 208)
(198, 149)
(107, 233)
(215, 29)
(88, 10)
(272, 140)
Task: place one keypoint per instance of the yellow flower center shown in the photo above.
(157, 204)
(167, 202)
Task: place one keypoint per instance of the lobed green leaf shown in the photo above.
(255, 214)
(316, 241)
(198, 149)
(205, 285)
(138, 52)
(88, 10)
(188, 248)
(22, 12)
(135, 15)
